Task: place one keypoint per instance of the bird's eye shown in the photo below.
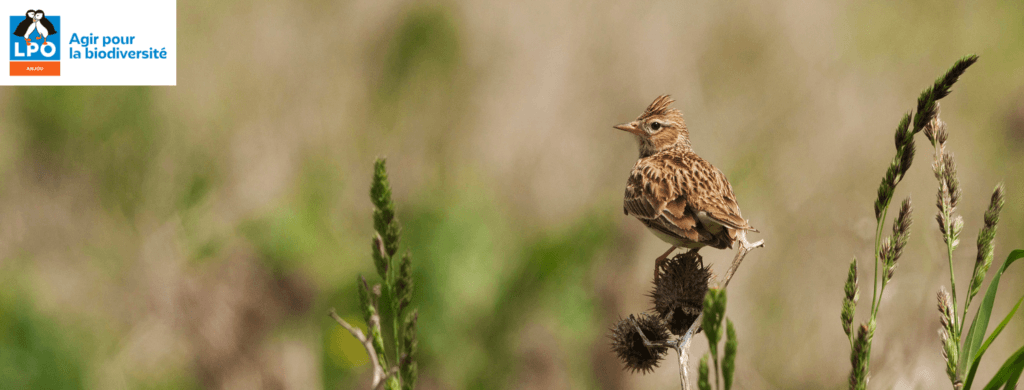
(655, 126)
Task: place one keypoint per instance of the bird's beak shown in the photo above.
(631, 127)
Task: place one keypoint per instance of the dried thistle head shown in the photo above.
(679, 291)
(628, 344)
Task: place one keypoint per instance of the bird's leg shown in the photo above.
(661, 260)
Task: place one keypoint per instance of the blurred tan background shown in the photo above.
(193, 237)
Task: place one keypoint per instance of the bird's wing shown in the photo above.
(708, 190)
(655, 198)
(22, 27)
(48, 25)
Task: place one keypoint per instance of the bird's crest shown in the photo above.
(660, 107)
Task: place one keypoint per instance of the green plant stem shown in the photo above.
(878, 241)
(718, 386)
(395, 323)
(952, 283)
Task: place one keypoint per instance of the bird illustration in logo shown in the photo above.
(27, 26)
(35, 21)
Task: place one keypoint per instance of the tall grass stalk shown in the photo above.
(888, 250)
(963, 352)
(401, 371)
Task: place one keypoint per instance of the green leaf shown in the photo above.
(972, 343)
(1010, 371)
(991, 338)
(1012, 382)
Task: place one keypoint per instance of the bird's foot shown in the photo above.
(38, 38)
(694, 252)
(661, 260)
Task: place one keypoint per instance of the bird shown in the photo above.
(45, 27)
(27, 26)
(680, 197)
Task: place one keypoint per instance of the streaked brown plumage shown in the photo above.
(681, 198)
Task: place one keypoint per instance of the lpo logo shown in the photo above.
(35, 44)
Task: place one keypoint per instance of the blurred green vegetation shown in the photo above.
(107, 133)
(35, 353)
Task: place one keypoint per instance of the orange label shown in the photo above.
(35, 68)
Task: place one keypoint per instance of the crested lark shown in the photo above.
(681, 198)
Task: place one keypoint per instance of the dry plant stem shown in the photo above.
(391, 373)
(740, 254)
(378, 373)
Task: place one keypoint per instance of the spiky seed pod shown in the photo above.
(947, 318)
(850, 300)
(729, 360)
(679, 291)
(628, 344)
(859, 357)
(703, 374)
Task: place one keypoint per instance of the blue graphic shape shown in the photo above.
(34, 51)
